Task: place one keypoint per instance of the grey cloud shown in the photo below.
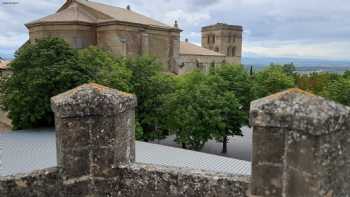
(296, 21)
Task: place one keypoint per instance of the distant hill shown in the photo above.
(4, 56)
(262, 61)
(302, 65)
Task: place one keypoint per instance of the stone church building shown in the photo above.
(124, 32)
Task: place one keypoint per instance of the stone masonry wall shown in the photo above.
(133, 180)
(154, 181)
(42, 183)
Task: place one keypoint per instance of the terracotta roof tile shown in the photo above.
(187, 48)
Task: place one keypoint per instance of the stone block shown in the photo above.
(72, 133)
(104, 131)
(267, 180)
(268, 145)
(103, 162)
(75, 163)
(303, 152)
(79, 188)
(302, 184)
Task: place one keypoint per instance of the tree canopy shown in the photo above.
(199, 110)
(48, 67)
(273, 80)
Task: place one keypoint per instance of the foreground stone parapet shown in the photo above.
(92, 100)
(95, 133)
(301, 146)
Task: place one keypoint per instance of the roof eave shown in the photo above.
(45, 23)
(190, 54)
(116, 22)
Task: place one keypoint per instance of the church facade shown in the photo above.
(124, 32)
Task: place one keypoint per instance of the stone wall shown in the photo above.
(76, 35)
(122, 39)
(154, 181)
(133, 180)
(42, 183)
(188, 63)
(300, 149)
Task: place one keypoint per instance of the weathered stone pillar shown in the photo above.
(301, 146)
(95, 133)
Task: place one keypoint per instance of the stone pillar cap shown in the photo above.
(92, 100)
(299, 110)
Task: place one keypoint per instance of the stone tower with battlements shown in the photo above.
(225, 39)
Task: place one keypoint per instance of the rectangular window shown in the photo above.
(233, 51)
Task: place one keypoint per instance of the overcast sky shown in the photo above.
(272, 28)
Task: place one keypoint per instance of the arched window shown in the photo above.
(213, 39)
(208, 39)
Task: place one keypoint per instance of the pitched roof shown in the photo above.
(121, 14)
(187, 48)
(92, 12)
(73, 12)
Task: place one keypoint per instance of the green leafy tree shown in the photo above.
(152, 113)
(289, 69)
(151, 87)
(40, 71)
(272, 80)
(338, 90)
(237, 80)
(48, 67)
(199, 110)
(101, 67)
(347, 74)
(232, 114)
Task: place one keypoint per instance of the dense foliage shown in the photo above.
(238, 81)
(273, 79)
(151, 87)
(50, 67)
(40, 71)
(200, 110)
(195, 107)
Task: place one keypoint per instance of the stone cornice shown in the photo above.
(100, 24)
